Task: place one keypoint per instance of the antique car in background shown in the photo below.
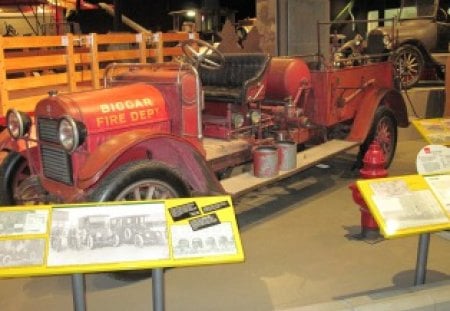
(177, 130)
(421, 31)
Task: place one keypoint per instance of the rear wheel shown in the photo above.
(139, 241)
(409, 63)
(384, 131)
(90, 242)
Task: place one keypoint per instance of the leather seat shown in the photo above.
(232, 83)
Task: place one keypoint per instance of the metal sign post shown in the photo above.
(422, 256)
(158, 289)
(79, 292)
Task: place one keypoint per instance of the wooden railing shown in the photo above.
(32, 66)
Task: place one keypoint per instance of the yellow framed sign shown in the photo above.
(408, 205)
(94, 237)
(434, 131)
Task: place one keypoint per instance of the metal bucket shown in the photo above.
(287, 155)
(265, 161)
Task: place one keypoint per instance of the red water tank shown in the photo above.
(285, 77)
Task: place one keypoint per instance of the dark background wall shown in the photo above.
(154, 14)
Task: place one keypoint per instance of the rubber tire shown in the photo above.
(382, 114)
(110, 187)
(139, 241)
(90, 242)
(8, 172)
(415, 52)
(116, 240)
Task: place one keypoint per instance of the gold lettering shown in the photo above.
(104, 108)
(115, 119)
(120, 106)
(129, 104)
(126, 105)
(138, 104)
(134, 116)
(147, 102)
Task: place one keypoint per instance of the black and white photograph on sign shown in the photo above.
(15, 253)
(23, 222)
(108, 234)
(212, 241)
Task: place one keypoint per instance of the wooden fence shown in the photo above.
(30, 67)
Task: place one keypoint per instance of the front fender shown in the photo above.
(9, 144)
(176, 152)
(366, 112)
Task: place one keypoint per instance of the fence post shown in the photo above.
(67, 41)
(158, 37)
(95, 62)
(3, 80)
(141, 38)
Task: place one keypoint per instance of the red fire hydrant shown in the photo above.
(373, 167)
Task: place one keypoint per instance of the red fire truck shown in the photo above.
(177, 129)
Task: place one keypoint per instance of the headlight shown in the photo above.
(71, 134)
(18, 123)
(255, 117)
(237, 120)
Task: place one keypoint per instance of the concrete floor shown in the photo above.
(295, 238)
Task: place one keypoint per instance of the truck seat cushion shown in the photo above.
(231, 81)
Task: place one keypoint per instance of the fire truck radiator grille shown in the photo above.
(56, 164)
(48, 130)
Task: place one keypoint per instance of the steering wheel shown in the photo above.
(207, 57)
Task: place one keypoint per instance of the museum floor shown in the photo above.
(297, 248)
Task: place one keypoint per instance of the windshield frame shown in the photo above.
(408, 4)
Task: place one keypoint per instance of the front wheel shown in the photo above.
(13, 171)
(384, 131)
(138, 181)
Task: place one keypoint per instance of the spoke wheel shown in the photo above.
(138, 181)
(384, 131)
(147, 189)
(409, 64)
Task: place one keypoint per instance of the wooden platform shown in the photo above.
(245, 182)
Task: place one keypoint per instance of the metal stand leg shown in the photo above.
(79, 292)
(422, 256)
(158, 289)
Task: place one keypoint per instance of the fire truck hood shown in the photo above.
(108, 109)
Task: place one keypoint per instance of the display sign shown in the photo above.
(94, 237)
(433, 159)
(434, 131)
(407, 205)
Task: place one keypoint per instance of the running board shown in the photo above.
(246, 182)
